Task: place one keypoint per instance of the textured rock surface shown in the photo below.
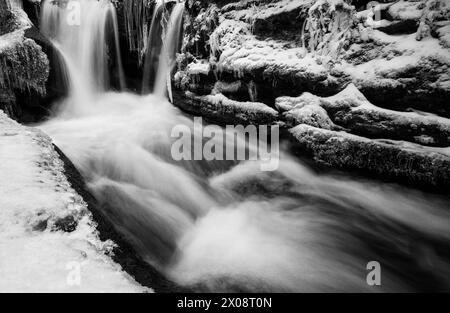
(394, 69)
(24, 66)
(400, 160)
(220, 109)
(371, 79)
(352, 111)
(377, 72)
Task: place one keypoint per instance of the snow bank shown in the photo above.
(48, 240)
(406, 10)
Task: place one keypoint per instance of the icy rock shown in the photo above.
(46, 230)
(351, 110)
(226, 111)
(24, 67)
(403, 161)
(309, 114)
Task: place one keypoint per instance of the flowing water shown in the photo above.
(86, 35)
(225, 225)
(164, 42)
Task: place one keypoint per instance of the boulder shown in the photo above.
(399, 160)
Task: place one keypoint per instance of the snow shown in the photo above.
(10, 39)
(410, 53)
(257, 107)
(198, 68)
(312, 115)
(280, 7)
(342, 136)
(244, 52)
(352, 92)
(35, 255)
(444, 35)
(351, 95)
(252, 10)
(406, 10)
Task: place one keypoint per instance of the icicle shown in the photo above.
(137, 16)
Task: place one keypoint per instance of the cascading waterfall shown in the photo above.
(153, 47)
(171, 45)
(164, 42)
(86, 33)
(225, 225)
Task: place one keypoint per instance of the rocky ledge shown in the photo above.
(358, 85)
(30, 73)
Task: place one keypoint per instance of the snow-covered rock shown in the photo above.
(377, 74)
(224, 110)
(351, 110)
(401, 160)
(48, 239)
(386, 62)
(24, 67)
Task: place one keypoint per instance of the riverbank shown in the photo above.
(49, 241)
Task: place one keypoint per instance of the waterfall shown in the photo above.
(86, 33)
(153, 47)
(161, 54)
(171, 45)
(226, 225)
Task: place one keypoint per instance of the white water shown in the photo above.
(86, 34)
(163, 44)
(229, 226)
(153, 47)
(171, 45)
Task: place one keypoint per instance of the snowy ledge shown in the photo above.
(403, 160)
(223, 110)
(48, 239)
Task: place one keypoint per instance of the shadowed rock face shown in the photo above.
(29, 76)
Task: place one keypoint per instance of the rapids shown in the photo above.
(226, 225)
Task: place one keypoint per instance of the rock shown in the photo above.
(226, 111)
(406, 10)
(38, 194)
(66, 224)
(399, 72)
(400, 160)
(351, 110)
(280, 19)
(393, 71)
(364, 72)
(309, 114)
(24, 67)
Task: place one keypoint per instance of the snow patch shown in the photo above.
(36, 197)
